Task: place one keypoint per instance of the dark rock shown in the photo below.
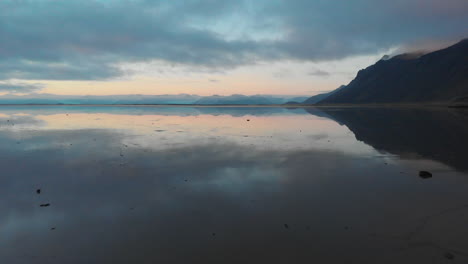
(286, 226)
(248, 120)
(449, 255)
(53, 228)
(425, 174)
(38, 191)
(45, 205)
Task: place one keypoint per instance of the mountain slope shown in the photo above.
(319, 97)
(440, 76)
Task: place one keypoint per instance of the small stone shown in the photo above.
(38, 191)
(53, 228)
(286, 226)
(449, 255)
(425, 174)
(45, 205)
(248, 120)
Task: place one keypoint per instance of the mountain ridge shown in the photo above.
(439, 76)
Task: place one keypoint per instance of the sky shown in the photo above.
(205, 47)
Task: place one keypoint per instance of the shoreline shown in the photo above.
(385, 105)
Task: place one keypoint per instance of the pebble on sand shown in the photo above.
(425, 174)
(449, 255)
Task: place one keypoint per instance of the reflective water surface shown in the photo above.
(232, 185)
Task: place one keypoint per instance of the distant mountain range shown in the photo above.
(235, 99)
(238, 99)
(440, 76)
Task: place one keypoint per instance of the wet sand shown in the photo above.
(126, 184)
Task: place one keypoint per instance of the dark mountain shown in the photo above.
(292, 103)
(319, 97)
(439, 76)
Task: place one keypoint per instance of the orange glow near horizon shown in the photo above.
(285, 78)
(200, 87)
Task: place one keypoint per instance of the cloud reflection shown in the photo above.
(210, 200)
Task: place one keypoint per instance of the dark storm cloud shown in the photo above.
(327, 30)
(85, 40)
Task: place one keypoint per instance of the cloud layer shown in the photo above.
(88, 40)
(15, 87)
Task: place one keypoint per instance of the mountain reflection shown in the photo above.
(436, 134)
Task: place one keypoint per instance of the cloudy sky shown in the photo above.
(209, 47)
